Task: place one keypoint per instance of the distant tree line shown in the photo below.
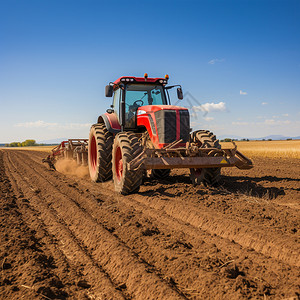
(246, 140)
(232, 140)
(27, 143)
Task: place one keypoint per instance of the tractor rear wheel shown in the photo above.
(160, 173)
(209, 176)
(99, 153)
(126, 147)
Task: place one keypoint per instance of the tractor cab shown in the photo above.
(142, 104)
(136, 96)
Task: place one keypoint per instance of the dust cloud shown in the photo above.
(70, 167)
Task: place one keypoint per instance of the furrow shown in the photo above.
(73, 251)
(163, 220)
(115, 258)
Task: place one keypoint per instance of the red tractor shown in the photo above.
(143, 133)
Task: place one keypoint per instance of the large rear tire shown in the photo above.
(100, 153)
(126, 147)
(208, 176)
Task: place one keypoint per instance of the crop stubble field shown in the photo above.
(64, 237)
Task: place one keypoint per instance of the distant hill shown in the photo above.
(279, 137)
(272, 137)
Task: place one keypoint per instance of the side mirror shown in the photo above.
(179, 93)
(109, 91)
(110, 111)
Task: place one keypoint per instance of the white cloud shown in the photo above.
(243, 93)
(270, 122)
(43, 124)
(210, 107)
(216, 60)
(285, 115)
(208, 119)
(240, 123)
(276, 122)
(264, 103)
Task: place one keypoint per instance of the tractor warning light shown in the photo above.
(127, 79)
(167, 76)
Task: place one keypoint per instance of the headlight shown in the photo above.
(141, 112)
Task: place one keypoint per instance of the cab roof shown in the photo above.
(132, 79)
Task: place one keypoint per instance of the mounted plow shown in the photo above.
(75, 149)
(171, 157)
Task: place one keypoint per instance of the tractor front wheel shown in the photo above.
(208, 176)
(126, 147)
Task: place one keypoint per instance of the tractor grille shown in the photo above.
(167, 125)
(184, 125)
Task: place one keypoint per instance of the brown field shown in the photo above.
(65, 237)
(34, 148)
(272, 149)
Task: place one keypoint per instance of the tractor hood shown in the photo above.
(153, 108)
(165, 123)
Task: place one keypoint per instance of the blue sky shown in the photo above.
(240, 60)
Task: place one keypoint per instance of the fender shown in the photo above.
(111, 122)
(148, 121)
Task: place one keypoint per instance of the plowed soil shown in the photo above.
(65, 237)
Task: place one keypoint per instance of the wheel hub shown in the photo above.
(93, 153)
(119, 164)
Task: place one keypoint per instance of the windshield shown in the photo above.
(148, 94)
(137, 95)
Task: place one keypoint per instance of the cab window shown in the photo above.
(139, 95)
(116, 102)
